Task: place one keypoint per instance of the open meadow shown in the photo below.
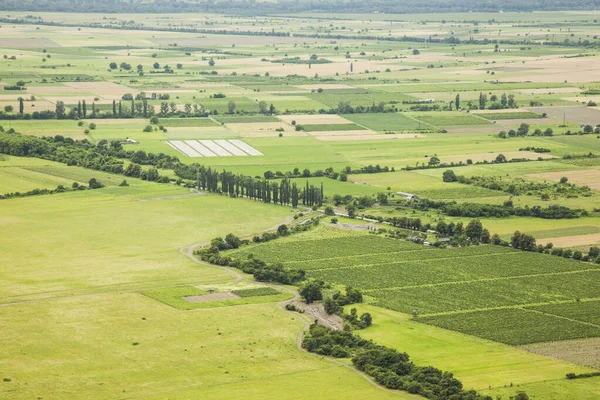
(444, 164)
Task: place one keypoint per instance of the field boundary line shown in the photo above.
(402, 262)
(562, 317)
(579, 271)
(522, 306)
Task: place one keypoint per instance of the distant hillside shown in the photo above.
(293, 6)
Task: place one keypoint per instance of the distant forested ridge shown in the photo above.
(288, 6)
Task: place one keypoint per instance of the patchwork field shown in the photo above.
(486, 291)
(100, 293)
(216, 148)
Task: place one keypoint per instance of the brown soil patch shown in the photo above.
(355, 227)
(550, 90)
(317, 312)
(363, 132)
(16, 43)
(54, 90)
(572, 241)
(492, 156)
(584, 352)
(108, 90)
(212, 297)
(195, 85)
(314, 119)
(588, 177)
(556, 70)
(325, 86)
(333, 138)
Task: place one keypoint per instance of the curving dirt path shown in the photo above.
(311, 311)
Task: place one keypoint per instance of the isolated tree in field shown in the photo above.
(164, 108)
(496, 239)
(449, 176)
(485, 236)
(211, 62)
(474, 230)
(365, 320)
(511, 100)
(156, 65)
(351, 67)
(523, 129)
(21, 106)
(113, 65)
(434, 161)
(262, 106)
(503, 100)
(94, 109)
(482, 100)
(231, 107)
(60, 110)
(500, 158)
(457, 101)
(95, 184)
(564, 180)
(311, 292)
(8, 108)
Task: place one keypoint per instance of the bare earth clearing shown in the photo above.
(572, 241)
(588, 177)
(206, 298)
(584, 352)
(576, 114)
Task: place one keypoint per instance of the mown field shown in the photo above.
(92, 282)
(73, 298)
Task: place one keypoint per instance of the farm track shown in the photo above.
(189, 252)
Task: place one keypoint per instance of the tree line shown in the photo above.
(387, 366)
(477, 210)
(92, 184)
(525, 242)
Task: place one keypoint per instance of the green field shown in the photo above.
(101, 295)
(386, 122)
(494, 281)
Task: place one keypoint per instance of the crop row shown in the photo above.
(306, 250)
(493, 293)
(513, 326)
(585, 311)
(430, 272)
(418, 254)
